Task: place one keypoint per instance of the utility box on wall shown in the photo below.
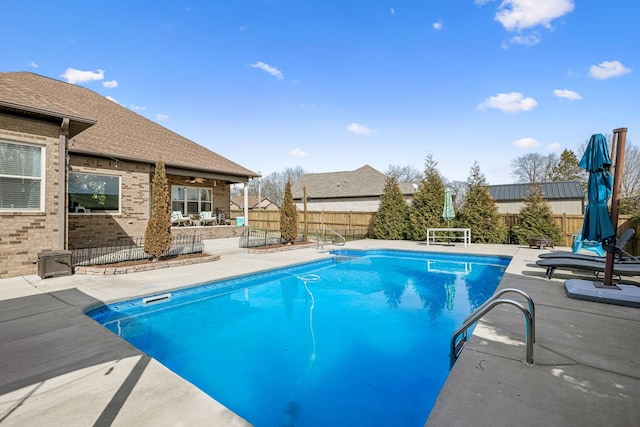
(54, 263)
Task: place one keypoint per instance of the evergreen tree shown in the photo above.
(428, 202)
(536, 219)
(157, 236)
(389, 222)
(480, 212)
(288, 216)
(567, 168)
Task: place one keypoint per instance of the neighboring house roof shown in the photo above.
(363, 182)
(253, 202)
(550, 191)
(118, 132)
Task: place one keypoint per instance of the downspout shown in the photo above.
(62, 184)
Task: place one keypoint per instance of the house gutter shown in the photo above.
(62, 183)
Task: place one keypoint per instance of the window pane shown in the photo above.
(205, 195)
(205, 206)
(177, 193)
(19, 193)
(93, 193)
(192, 193)
(177, 206)
(20, 160)
(192, 208)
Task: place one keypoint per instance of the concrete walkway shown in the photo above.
(59, 368)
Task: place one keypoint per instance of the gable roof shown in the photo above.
(118, 132)
(252, 201)
(362, 182)
(550, 190)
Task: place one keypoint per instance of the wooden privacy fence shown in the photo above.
(339, 221)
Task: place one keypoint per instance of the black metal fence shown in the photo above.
(129, 249)
(256, 238)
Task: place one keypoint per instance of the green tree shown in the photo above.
(567, 168)
(428, 202)
(536, 219)
(157, 236)
(389, 222)
(480, 212)
(288, 216)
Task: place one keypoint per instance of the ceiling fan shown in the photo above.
(193, 180)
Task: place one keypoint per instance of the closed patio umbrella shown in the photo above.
(597, 222)
(448, 213)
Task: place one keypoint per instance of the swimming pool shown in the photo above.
(360, 339)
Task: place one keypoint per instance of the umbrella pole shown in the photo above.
(619, 141)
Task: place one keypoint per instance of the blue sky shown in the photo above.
(333, 85)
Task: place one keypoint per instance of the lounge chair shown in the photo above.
(617, 249)
(629, 266)
(178, 219)
(206, 218)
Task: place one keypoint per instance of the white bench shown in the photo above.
(438, 234)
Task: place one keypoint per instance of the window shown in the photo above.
(21, 181)
(190, 200)
(93, 193)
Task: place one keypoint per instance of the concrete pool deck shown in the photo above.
(61, 368)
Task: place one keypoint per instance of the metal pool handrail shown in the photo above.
(529, 315)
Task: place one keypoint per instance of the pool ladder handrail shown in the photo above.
(529, 315)
(320, 243)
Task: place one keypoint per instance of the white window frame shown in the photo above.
(41, 178)
(79, 210)
(186, 200)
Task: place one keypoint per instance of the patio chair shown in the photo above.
(206, 218)
(178, 219)
(220, 219)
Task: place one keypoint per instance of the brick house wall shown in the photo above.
(135, 190)
(24, 234)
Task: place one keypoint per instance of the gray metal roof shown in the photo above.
(550, 191)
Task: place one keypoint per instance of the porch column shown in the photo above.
(246, 203)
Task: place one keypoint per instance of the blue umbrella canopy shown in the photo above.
(448, 213)
(597, 222)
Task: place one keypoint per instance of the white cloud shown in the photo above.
(526, 143)
(137, 107)
(566, 94)
(358, 129)
(162, 117)
(556, 146)
(517, 15)
(509, 102)
(528, 40)
(33, 64)
(112, 99)
(269, 69)
(393, 11)
(608, 69)
(437, 26)
(110, 84)
(297, 152)
(74, 76)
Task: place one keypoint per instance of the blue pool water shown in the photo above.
(358, 340)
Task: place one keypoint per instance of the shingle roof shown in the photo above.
(118, 132)
(363, 182)
(550, 190)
